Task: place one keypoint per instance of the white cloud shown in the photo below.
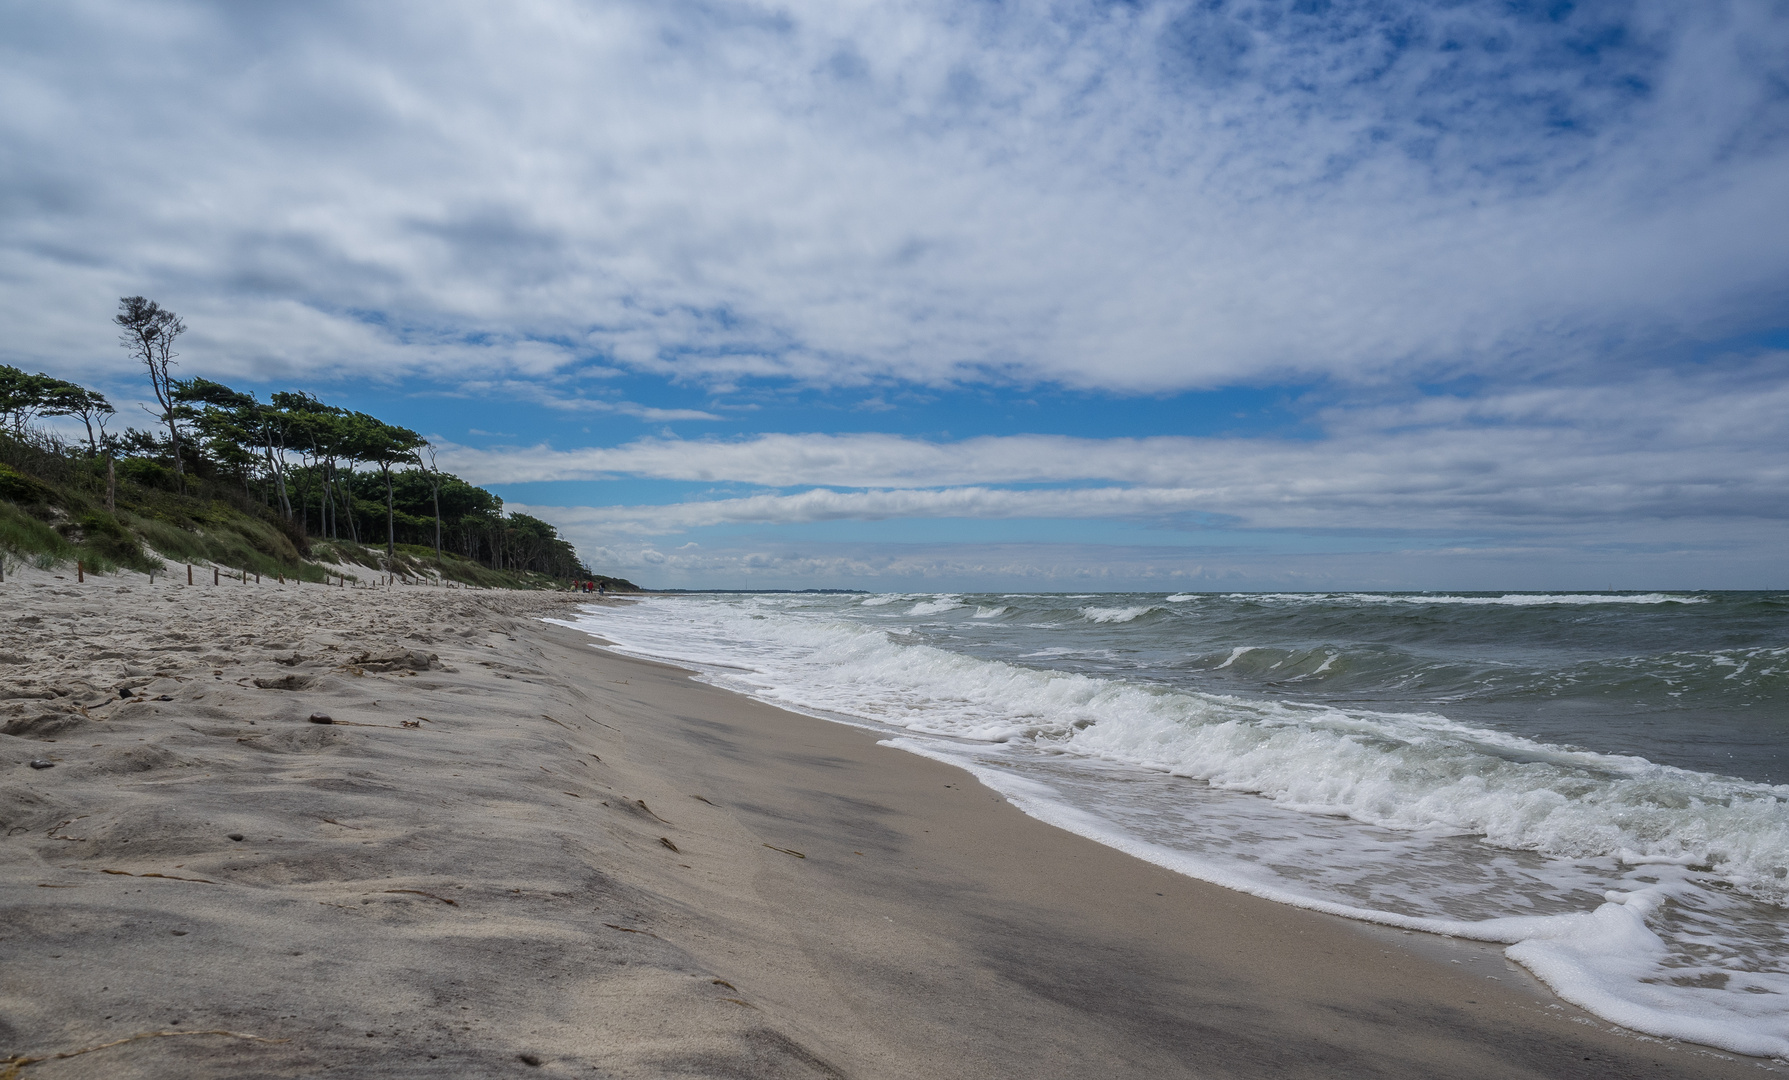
(1141, 196)
(1700, 449)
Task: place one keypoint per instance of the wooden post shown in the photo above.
(215, 576)
(80, 571)
(189, 573)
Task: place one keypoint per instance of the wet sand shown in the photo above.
(578, 864)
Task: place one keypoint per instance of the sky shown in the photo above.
(908, 295)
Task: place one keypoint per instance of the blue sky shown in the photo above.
(967, 295)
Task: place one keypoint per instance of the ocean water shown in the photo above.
(1599, 781)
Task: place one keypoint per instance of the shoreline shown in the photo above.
(580, 863)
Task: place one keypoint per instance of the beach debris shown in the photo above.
(573, 794)
(39, 763)
(786, 851)
(623, 929)
(289, 681)
(410, 723)
(665, 840)
(321, 718)
(641, 803)
(396, 660)
(725, 983)
(699, 798)
(333, 821)
(165, 877)
(236, 836)
(528, 1059)
(430, 895)
(125, 692)
(14, 1064)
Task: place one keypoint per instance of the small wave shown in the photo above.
(884, 598)
(990, 612)
(1708, 966)
(1236, 654)
(1182, 597)
(1115, 614)
(1503, 600)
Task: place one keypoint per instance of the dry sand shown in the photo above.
(578, 864)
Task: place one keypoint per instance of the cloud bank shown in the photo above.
(1137, 197)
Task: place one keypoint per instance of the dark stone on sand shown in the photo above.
(321, 718)
(234, 835)
(42, 764)
(528, 1059)
(124, 691)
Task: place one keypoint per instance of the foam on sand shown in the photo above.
(1621, 849)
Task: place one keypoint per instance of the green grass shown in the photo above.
(53, 512)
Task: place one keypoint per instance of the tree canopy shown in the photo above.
(326, 471)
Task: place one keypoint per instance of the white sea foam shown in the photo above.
(986, 612)
(1181, 598)
(1680, 936)
(933, 607)
(1505, 600)
(1116, 614)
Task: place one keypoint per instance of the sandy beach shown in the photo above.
(509, 853)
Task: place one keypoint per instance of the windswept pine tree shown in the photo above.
(294, 469)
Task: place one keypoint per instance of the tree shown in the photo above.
(22, 397)
(309, 428)
(67, 399)
(234, 422)
(432, 472)
(386, 445)
(148, 334)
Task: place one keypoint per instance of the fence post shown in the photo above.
(189, 573)
(80, 571)
(215, 576)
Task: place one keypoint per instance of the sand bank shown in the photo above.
(576, 864)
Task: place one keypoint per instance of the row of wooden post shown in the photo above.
(216, 575)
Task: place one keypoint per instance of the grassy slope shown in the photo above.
(55, 514)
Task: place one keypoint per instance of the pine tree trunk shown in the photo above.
(391, 528)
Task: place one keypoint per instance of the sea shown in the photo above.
(1598, 781)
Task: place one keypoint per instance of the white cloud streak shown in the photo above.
(1697, 450)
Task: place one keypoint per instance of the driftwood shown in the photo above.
(14, 1064)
